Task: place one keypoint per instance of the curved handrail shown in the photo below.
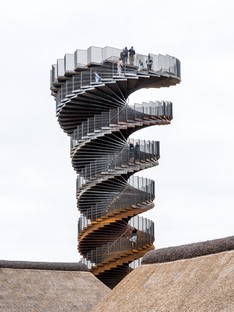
(148, 151)
(72, 63)
(92, 126)
(122, 243)
(97, 117)
(137, 191)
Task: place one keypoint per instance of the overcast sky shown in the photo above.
(194, 179)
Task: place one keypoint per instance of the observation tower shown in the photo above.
(91, 95)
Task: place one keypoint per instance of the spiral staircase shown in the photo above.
(99, 122)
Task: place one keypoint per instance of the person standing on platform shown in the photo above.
(140, 65)
(122, 54)
(125, 55)
(131, 152)
(137, 152)
(119, 66)
(149, 62)
(131, 53)
(133, 238)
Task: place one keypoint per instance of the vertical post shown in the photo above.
(117, 115)
(109, 117)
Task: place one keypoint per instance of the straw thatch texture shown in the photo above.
(189, 251)
(24, 290)
(201, 284)
(61, 266)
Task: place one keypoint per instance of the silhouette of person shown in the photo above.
(137, 151)
(141, 65)
(119, 66)
(131, 152)
(131, 53)
(125, 55)
(97, 77)
(122, 54)
(149, 62)
(133, 238)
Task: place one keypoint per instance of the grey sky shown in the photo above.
(194, 179)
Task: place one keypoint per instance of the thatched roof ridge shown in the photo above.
(60, 266)
(189, 251)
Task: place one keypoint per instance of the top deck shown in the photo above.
(81, 60)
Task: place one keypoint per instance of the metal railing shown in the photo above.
(161, 63)
(81, 81)
(135, 193)
(92, 126)
(147, 151)
(145, 230)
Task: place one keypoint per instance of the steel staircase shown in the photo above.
(97, 118)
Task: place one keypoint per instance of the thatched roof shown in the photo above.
(61, 266)
(189, 251)
(200, 284)
(53, 287)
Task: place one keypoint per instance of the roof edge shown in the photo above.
(189, 251)
(59, 266)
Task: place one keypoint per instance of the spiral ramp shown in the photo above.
(99, 121)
